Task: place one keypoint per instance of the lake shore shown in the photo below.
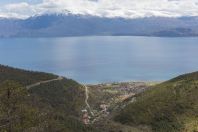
(106, 99)
(125, 84)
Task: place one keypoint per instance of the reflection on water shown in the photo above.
(103, 59)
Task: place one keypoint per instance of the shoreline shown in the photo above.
(124, 82)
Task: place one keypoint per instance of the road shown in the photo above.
(43, 82)
(87, 98)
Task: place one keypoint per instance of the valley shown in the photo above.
(53, 103)
(105, 100)
(109, 97)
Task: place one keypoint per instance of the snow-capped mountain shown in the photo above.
(56, 25)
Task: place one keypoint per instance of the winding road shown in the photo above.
(86, 99)
(61, 78)
(43, 82)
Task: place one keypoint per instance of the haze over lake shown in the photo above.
(103, 59)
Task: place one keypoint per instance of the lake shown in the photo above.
(103, 59)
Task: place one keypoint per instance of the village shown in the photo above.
(109, 98)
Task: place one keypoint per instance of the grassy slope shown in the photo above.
(22, 76)
(169, 107)
(62, 100)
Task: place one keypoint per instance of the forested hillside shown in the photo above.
(168, 107)
(42, 102)
(55, 106)
(22, 76)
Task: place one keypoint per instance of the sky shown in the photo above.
(103, 8)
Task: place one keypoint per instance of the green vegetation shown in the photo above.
(50, 107)
(15, 113)
(171, 106)
(23, 77)
(56, 106)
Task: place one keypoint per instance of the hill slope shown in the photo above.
(59, 102)
(168, 107)
(56, 105)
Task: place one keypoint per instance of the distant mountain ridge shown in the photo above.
(59, 25)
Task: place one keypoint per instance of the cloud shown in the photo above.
(17, 10)
(17, 6)
(107, 8)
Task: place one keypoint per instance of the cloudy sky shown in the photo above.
(107, 8)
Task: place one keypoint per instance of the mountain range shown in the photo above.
(61, 25)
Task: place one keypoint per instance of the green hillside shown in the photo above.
(54, 107)
(22, 76)
(30, 102)
(171, 106)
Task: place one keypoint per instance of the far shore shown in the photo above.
(149, 83)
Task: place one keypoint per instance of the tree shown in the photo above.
(16, 112)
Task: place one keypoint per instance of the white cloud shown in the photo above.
(107, 8)
(17, 10)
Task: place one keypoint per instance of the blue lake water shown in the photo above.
(103, 59)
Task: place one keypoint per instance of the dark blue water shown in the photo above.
(103, 59)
